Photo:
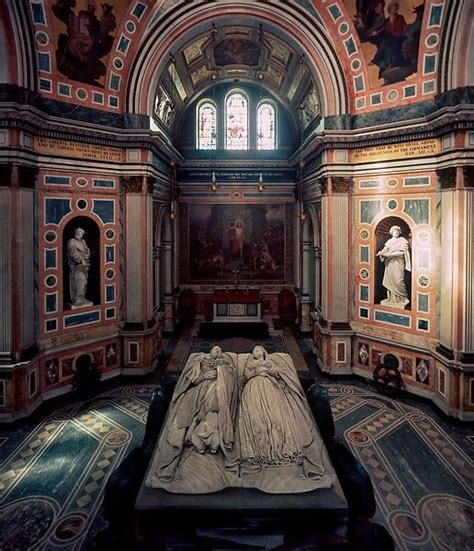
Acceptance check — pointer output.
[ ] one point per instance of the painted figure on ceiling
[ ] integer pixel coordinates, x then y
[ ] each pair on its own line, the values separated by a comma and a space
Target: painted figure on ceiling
397, 42
396, 255
87, 39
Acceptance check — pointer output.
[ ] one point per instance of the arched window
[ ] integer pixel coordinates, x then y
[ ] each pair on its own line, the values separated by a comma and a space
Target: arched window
266, 126
207, 126
236, 124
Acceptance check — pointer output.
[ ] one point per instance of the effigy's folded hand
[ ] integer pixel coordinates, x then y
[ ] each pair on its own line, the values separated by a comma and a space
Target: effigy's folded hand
211, 374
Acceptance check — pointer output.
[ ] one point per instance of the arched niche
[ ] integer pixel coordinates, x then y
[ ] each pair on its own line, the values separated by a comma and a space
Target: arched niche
382, 235
308, 260
92, 239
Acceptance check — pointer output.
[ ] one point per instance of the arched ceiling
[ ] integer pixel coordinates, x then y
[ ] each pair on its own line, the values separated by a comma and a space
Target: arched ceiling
118, 67
235, 51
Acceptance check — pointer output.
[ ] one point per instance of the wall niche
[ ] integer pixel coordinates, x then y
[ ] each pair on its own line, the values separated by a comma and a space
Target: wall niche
81, 263
393, 263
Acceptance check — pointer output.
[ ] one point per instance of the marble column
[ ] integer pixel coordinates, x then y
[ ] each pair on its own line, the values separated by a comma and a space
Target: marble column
17, 262
333, 316
157, 276
305, 300
140, 325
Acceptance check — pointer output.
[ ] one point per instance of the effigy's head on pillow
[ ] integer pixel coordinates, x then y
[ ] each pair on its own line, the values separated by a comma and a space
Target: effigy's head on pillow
215, 352
259, 352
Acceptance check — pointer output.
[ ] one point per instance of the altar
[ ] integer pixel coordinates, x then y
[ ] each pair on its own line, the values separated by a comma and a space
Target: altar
236, 305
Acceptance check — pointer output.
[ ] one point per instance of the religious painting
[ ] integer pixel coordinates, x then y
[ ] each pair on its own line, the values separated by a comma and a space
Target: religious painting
243, 241
237, 51
389, 31
52, 372
110, 354
85, 31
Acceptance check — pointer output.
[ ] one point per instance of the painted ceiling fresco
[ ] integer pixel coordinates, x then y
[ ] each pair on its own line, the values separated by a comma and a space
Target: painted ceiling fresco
388, 52
84, 31
389, 32
241, 51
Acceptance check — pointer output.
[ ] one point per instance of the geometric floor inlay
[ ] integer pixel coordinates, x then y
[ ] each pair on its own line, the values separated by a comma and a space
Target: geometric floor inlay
52, 475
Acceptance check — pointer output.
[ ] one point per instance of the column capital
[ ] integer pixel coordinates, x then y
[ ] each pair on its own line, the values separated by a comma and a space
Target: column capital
132, 184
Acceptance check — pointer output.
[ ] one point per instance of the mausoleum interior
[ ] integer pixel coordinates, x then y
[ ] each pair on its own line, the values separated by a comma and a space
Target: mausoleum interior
180, 175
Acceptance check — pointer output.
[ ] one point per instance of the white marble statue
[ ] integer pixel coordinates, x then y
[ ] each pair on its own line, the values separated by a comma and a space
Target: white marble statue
396, 255
261, 436
78, 255
276, 428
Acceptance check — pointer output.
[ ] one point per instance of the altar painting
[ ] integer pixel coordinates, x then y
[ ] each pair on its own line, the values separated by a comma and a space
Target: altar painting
229, 242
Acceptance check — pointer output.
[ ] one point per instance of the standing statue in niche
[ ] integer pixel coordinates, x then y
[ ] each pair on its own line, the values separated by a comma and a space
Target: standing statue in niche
396, 255
78, 255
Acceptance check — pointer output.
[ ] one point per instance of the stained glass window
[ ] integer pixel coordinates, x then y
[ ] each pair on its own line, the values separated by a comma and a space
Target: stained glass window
236, 122
207, 125
266, 126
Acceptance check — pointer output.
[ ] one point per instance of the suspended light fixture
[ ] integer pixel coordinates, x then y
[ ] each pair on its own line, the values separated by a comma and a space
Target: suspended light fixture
261, 185
214, 182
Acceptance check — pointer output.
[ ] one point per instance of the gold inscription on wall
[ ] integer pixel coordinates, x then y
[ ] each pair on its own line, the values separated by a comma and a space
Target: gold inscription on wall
406, 150
52, 146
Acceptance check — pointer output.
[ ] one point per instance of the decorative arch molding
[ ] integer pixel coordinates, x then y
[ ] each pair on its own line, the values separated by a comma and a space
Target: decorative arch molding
457, 46
167, 32
20, 44
163, 229
311, 216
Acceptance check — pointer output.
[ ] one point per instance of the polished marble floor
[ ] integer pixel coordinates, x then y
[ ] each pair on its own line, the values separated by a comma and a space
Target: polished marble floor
53, 470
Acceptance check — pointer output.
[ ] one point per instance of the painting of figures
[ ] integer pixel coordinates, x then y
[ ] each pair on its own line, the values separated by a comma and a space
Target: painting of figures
237, 51
390, 35
85, 31
247, 240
